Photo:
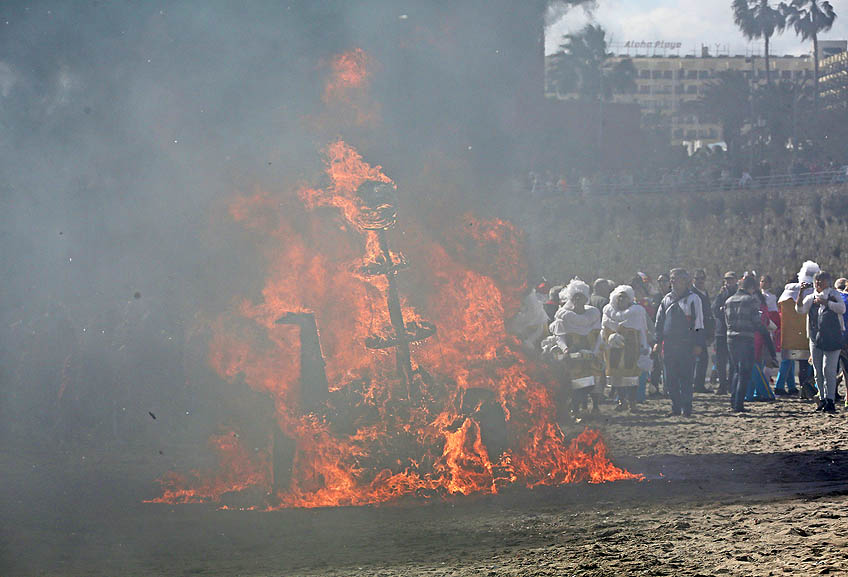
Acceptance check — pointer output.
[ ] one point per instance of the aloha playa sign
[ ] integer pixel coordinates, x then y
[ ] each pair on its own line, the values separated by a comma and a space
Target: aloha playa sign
655, 45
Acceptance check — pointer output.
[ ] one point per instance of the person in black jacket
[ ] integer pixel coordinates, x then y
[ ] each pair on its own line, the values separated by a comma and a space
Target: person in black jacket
600, 294
721, 352
551, 306
824, 309
742, 319
702, 362
680, 335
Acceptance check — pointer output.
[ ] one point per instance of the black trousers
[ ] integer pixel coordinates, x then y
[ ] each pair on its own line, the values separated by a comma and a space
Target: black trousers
679, 364
702, 361
721, 361
656, 372
742, 363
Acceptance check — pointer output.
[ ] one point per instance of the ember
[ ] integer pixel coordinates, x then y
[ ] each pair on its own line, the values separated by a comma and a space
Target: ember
463, 411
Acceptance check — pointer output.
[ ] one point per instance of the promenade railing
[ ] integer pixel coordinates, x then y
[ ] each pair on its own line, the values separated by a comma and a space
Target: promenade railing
684, 185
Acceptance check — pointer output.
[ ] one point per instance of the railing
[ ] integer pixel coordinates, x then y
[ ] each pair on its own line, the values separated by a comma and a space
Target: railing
833, 177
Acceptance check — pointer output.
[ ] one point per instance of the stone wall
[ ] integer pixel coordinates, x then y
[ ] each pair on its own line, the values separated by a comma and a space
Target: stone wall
770, 231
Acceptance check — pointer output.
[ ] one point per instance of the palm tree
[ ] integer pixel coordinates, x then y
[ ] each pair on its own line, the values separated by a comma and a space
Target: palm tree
726, 101
778, 105
809, 17
758, 19
581, 67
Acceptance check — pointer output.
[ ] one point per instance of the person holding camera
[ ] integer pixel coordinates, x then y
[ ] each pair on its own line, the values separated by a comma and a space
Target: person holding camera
824, 308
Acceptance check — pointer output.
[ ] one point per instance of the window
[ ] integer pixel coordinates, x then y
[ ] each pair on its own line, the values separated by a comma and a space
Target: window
711, 133
667, 74
644, 89
678, 133
656, 74
704, 74
691, 134
692, 89
644, 74
692, 74
786, 74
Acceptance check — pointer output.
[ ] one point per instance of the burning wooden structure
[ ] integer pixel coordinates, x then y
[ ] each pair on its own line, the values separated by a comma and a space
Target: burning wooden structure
470, 413
378, 215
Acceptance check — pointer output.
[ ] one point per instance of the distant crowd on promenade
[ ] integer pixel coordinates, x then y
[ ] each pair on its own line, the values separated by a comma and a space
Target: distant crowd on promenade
625, 342
694, 176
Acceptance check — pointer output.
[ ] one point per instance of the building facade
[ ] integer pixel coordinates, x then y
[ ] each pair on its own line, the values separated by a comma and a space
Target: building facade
664, 84
833, 82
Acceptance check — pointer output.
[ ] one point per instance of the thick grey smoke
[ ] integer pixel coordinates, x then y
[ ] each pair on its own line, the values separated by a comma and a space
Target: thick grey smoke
125, 130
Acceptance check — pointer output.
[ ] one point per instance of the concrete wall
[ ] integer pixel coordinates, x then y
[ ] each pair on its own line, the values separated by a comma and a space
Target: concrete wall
770, 231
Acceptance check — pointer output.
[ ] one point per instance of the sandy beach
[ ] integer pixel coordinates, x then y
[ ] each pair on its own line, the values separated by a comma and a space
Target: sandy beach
762, 493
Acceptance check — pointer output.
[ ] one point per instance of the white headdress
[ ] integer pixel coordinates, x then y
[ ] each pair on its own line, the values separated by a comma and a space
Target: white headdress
622, 289
808, 271
575, 286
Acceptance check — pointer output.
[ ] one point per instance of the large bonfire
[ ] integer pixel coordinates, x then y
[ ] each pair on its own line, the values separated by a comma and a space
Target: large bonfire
476, 415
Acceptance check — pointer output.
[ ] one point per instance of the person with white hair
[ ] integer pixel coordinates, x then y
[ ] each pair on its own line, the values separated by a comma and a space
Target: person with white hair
625, 325
577, 330
793, 337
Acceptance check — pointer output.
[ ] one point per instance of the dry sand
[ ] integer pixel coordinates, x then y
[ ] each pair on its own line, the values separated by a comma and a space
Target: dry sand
763, 493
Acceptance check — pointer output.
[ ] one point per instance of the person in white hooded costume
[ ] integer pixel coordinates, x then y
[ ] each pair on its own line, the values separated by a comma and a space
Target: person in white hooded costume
625, 325
577, 330
793, 336
529, 324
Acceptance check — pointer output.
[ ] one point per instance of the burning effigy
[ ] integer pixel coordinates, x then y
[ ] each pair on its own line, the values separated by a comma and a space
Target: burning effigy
381, 392
468, 412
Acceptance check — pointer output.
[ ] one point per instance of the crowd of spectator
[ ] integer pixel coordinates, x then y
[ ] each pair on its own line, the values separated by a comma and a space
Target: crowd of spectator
669, 338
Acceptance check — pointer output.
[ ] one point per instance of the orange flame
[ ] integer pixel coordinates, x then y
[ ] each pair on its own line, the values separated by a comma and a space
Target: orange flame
236, 472
348, 172
346, 88
467, 287
349, 70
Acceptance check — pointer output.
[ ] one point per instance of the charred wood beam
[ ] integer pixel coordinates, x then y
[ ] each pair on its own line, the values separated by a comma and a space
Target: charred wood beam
314, 389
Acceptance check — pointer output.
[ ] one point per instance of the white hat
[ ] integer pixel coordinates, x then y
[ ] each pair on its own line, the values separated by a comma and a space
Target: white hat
575, 286
808, 271
622, 289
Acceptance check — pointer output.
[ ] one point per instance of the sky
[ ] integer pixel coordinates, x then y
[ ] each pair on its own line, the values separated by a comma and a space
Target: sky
691, 22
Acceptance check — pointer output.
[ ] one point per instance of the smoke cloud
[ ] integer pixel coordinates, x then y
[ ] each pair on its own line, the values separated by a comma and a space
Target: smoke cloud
128, 128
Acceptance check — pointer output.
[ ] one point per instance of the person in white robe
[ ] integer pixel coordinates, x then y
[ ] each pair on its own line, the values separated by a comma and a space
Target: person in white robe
577, 330
625, 324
